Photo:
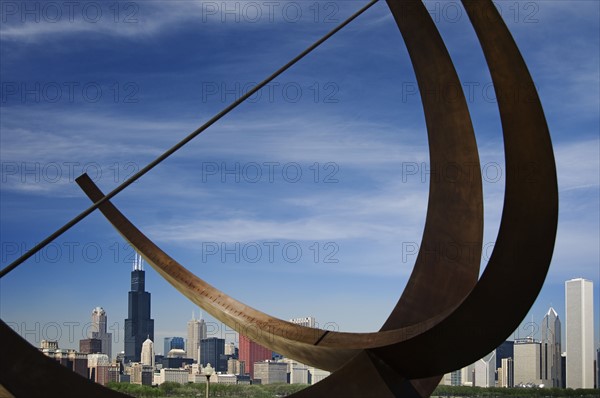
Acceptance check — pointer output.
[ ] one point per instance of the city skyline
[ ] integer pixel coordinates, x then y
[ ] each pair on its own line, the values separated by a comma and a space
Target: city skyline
356, 212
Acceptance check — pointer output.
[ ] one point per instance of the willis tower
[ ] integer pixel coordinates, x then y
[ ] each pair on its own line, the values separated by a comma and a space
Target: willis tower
138, 325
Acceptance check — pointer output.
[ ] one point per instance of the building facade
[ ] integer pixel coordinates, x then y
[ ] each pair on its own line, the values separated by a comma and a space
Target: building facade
579, 333
90, 346
99, 330
148, 353
70, 359
307, 321
98, 368
527, 363
551, 349
485, 371
196, 331
140, 374
212, 350
250, 352
180, 376
271, 372
235, 367
506, 373
138, 326
171, 343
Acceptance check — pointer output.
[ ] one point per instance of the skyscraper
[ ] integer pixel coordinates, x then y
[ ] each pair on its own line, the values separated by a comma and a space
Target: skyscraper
196, 331
505, 373
99, 331
551, 349
173, 343
148, 353
212, 350
579, 333
485, 371
138, 326
251, 352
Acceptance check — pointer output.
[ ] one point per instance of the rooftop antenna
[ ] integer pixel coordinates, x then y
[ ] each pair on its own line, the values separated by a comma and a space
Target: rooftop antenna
138, 262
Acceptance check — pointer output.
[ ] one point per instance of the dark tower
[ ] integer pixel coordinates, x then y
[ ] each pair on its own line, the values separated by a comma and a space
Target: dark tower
138, 325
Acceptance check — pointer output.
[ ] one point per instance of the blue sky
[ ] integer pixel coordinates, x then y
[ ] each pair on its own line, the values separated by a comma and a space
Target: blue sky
309, 199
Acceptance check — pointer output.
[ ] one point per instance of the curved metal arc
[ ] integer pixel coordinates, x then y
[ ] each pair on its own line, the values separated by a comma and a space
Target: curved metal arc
527, 234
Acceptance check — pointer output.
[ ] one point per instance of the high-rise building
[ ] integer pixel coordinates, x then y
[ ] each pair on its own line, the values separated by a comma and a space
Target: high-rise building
138, 326
196, 331
506, 373
173, 343
99, 330
527, 363
251, 352
485, 371
579, 333
551, 349
148, 353
504, 350
212, 350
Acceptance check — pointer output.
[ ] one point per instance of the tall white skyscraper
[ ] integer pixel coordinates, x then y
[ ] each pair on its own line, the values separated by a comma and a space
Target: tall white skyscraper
196, 331
551, 349
148, 353
579, 302
99, 330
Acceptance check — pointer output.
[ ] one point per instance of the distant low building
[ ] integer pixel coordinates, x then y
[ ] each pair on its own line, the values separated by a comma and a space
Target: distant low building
98, 368
235, 367
114, 373
140, 374
269, 372
316, 375
180, 376
70, 359
90, 346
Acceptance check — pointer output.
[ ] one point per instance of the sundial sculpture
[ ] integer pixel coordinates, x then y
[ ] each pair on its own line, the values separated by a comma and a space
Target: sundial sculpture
442, 321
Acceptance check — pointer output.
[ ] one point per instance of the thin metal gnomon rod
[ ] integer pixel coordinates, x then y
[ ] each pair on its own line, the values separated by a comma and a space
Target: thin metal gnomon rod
180, 144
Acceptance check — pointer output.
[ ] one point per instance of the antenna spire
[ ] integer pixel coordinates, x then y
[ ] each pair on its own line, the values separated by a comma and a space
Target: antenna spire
138, 262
